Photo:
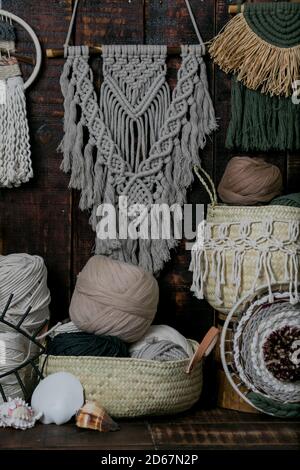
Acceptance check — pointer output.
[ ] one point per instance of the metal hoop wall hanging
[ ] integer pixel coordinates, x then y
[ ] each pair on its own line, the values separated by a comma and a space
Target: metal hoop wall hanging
35, 40
227, 349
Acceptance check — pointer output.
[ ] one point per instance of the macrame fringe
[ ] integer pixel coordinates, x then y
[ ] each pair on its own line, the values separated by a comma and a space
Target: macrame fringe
134, 133
15, 154
259, 65
198, 123
136, 144
260, 122
208, 259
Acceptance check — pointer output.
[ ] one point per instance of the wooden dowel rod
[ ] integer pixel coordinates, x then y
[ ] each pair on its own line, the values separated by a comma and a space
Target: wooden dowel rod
234, 9
22, 58
25, 60
54, 53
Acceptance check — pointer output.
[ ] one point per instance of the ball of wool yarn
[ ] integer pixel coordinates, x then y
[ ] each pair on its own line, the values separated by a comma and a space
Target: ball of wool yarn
162, 333
280, 353
86, 344
114, 298
292, 200
248, 181
160, 351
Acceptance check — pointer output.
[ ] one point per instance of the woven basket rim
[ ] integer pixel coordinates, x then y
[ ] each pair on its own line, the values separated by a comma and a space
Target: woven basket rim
235, 214
276, 207
139, 362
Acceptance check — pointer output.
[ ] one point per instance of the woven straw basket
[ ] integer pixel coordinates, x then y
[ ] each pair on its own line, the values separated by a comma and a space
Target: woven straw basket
240, 248
128, 387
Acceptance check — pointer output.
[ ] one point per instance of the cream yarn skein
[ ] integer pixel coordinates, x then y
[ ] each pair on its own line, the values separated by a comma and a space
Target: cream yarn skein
114, 298
25, 277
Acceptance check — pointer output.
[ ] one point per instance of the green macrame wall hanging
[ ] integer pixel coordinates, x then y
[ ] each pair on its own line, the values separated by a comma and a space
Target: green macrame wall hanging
261, 48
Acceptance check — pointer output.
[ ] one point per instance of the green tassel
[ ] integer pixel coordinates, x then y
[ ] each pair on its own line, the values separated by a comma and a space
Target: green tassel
262, 122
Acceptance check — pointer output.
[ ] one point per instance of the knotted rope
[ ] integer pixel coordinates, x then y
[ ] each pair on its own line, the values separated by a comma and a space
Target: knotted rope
142, 143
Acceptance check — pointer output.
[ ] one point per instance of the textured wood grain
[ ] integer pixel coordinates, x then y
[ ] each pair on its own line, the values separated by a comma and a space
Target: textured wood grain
293, 172
203, 430
227, 436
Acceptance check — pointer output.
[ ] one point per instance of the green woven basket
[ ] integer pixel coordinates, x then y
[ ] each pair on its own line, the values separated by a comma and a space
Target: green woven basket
128, 387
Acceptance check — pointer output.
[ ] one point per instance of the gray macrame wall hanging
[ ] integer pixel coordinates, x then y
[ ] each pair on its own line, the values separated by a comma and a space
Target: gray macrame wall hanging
142, 140
15, 153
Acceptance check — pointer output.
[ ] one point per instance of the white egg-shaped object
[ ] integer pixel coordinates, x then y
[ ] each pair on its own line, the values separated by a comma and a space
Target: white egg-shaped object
59, 396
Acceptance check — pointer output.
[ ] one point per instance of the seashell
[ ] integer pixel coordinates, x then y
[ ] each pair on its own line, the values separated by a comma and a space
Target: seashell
16, 413
58, 397
93, 416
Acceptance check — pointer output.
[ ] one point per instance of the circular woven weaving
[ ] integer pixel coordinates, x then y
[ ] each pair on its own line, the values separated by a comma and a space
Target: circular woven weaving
262, 357
277, 24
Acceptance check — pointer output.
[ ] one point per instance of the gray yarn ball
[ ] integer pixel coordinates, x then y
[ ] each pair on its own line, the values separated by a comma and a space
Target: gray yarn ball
161, 351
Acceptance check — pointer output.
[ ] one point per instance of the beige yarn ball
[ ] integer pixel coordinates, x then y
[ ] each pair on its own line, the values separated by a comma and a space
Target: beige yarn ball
114, 298
249, 181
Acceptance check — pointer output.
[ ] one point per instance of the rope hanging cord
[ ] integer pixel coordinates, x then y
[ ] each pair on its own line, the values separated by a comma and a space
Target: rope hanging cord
52, 53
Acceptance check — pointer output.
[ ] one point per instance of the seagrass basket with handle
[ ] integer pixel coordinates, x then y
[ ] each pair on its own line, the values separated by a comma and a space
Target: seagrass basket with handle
129, 387
240, 248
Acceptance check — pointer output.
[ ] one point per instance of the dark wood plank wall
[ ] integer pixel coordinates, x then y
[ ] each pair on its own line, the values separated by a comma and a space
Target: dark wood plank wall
42, 217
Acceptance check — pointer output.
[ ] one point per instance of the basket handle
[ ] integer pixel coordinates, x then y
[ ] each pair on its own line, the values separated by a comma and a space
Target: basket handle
210, 187
205, 347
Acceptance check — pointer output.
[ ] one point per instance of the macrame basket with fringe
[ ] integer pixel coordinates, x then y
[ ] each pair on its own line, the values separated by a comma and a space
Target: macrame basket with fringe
261, 355
241, 248
128, 387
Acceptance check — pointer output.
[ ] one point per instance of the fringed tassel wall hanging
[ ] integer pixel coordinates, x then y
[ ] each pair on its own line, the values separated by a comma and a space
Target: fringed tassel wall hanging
261, 48
15, 154
142, 140
260, 122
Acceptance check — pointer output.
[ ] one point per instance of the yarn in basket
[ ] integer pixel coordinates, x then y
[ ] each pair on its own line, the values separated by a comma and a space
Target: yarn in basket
86, 344
114, 298
292, 200
161, 351
157, 333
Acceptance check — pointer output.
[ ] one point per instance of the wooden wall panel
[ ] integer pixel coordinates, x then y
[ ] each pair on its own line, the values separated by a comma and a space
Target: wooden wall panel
43, 217
36, 216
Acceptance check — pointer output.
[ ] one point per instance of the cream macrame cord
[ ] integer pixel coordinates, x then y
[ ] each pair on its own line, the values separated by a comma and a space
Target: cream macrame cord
239, 248
15, 153
142, 142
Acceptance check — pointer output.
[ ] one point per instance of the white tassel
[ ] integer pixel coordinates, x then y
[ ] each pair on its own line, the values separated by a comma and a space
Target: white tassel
15, 154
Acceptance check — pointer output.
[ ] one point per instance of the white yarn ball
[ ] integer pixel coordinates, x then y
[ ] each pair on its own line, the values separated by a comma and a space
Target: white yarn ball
59, 396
